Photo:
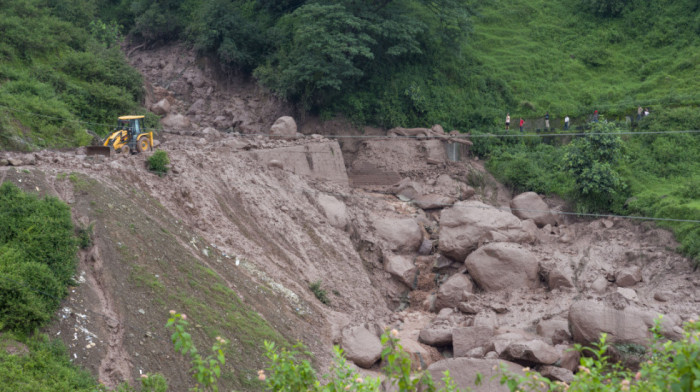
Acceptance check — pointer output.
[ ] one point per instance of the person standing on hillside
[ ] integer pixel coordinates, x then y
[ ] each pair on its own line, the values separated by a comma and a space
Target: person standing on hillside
522, 122
566, 123
639, 113
595, 116
546, 120
507, 121
646, 112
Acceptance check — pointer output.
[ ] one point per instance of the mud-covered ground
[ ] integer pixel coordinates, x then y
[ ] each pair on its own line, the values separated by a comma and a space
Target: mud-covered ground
241, 226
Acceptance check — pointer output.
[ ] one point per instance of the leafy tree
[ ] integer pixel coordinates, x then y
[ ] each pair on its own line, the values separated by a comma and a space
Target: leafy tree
234, 37
325, 44
591, 161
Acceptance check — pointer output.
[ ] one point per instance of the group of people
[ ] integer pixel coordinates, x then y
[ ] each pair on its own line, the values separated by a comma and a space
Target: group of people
546, 121
641, 112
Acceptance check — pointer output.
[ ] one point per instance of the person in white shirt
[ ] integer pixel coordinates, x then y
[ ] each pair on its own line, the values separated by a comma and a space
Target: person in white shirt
566, 123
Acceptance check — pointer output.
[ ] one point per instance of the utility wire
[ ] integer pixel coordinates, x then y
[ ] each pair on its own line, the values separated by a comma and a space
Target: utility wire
461, 135
554, 212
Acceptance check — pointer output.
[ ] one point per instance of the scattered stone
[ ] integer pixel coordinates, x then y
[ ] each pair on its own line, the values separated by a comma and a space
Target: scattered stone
529, 205
4, 162
500, 266
433, 201
464, 372
570, 357
14, 161
426, 247
408, 189
559, 279
466, 339
361, 346
401, 267
599, 285
555, 331
451, 292
662, 296
628, 276
468, 308
275, 164
629, 294
556, 373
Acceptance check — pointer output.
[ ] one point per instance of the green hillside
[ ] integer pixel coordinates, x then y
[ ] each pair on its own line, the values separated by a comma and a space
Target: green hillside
61, 71
566, 58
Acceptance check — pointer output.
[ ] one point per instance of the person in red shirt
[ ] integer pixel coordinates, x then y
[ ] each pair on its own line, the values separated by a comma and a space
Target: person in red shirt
522, 122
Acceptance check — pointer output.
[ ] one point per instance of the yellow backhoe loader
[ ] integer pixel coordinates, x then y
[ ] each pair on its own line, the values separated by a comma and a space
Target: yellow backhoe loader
128, 137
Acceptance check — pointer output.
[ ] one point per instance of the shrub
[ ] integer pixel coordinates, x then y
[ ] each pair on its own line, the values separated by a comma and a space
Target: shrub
670, 366
320, 293
37, 257
45, 367
158, 162
591, 161
287, 372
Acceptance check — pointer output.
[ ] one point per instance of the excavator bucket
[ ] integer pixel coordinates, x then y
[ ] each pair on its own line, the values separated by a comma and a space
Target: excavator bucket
99, 150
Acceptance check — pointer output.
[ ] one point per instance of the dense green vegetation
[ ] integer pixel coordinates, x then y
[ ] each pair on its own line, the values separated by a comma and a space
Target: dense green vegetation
60, 65
38, 364
37, 261
463, 64
37, 257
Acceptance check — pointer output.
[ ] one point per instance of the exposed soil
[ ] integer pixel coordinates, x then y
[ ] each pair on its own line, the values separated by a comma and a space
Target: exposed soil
234, 240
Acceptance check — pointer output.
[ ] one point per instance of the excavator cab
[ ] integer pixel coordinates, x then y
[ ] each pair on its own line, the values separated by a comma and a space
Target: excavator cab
129, 136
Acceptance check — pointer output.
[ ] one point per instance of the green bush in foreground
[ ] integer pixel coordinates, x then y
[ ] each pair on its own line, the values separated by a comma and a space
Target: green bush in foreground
38, 364
37, 257
670, 366
158, 162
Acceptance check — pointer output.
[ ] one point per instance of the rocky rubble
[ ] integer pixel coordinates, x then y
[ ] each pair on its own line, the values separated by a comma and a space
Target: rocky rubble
470, 275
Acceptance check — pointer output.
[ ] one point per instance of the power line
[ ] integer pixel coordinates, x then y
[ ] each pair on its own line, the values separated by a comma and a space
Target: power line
458, 136
554, 212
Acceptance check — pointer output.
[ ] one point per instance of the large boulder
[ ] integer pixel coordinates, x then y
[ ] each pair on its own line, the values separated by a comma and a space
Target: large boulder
532, 351
361, 346
401, 267
401, 234
285, 127
466, 339
176, 121
589, 319
529, 205
334, 210
467, 223
464, 372
436, 335
161, 108
500, 266
452, 291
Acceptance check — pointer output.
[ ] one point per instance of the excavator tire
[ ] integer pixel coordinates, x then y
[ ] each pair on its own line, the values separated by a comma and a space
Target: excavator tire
143, 144
125, 149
